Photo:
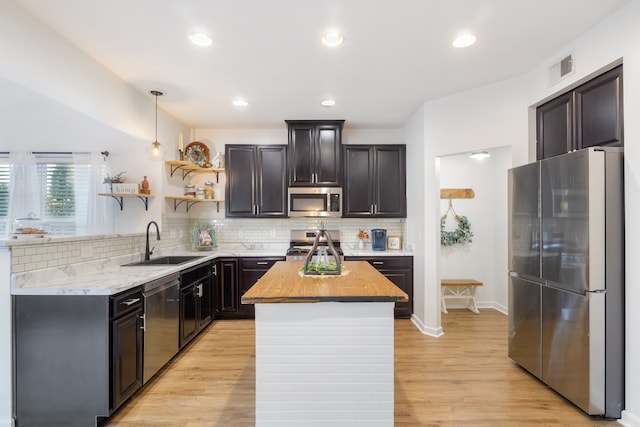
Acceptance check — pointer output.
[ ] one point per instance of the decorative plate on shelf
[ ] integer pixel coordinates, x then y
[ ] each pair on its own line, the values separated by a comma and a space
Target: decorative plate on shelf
197, 153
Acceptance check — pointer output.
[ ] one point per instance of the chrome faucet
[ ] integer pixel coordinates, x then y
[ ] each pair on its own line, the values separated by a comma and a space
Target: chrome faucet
147, 252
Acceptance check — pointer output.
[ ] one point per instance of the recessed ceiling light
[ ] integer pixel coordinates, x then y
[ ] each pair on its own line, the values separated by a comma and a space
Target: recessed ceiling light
200, 39
332, 38
464, 40
239, 102
479, 155
328, 102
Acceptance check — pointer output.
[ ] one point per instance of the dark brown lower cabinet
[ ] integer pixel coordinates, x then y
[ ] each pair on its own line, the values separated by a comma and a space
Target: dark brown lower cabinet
196, 299
398, 269
235, 277
252, 269
226, 288
126, 351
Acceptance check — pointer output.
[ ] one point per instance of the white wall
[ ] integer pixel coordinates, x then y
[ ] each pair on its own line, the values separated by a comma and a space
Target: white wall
485, 259
422, 185
501, 115
616, 37
488, 117
57, 98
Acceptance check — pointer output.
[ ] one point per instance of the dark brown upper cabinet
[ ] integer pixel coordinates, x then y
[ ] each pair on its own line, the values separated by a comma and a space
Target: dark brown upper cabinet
374, 181
598, 111
256, 181
315, 150
588, 116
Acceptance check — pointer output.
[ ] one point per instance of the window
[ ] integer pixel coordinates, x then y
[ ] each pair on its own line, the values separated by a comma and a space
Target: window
63, 191
63, 188
4, 192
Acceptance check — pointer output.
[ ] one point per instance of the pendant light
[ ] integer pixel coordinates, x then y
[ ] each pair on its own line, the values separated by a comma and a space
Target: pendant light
156, 150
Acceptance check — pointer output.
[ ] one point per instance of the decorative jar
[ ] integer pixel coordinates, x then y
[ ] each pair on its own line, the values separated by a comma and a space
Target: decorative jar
190, 190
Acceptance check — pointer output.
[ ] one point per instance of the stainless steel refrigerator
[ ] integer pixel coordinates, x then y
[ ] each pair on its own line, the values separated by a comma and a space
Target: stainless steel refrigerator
566, 278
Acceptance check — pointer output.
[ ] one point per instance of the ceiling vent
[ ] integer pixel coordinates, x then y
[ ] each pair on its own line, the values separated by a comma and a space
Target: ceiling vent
561, 69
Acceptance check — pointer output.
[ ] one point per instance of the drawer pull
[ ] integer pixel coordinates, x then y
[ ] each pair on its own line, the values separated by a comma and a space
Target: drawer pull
377, 262
262, 263
130, 301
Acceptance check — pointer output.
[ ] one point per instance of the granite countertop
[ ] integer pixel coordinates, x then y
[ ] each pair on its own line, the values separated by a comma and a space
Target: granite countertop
359, 282
109, 276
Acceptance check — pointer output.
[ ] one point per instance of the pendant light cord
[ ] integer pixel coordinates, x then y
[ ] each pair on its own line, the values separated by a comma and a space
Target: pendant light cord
156, 93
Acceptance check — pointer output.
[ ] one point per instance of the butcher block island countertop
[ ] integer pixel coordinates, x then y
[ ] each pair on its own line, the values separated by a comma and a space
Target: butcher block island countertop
324, 347
359, 282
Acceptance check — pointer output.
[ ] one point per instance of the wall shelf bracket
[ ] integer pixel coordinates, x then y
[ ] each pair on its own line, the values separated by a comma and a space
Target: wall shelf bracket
119, 198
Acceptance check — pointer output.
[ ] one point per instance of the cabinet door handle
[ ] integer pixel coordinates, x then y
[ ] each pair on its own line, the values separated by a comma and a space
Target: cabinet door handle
371, 209
143, 322
262, 263
130, 301
200, 290
377, 262
214, 270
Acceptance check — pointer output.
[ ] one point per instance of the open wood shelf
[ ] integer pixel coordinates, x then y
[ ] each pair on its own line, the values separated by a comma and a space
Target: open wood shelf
187, 167
119, 197
190, 201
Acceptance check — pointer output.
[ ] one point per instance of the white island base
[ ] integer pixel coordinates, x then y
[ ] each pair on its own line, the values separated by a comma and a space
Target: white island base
324, 364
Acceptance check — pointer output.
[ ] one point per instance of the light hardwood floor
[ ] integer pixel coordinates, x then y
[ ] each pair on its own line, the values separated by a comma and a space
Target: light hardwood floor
463, 378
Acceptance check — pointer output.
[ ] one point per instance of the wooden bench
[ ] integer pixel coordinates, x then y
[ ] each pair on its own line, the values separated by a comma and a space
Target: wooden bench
459, 288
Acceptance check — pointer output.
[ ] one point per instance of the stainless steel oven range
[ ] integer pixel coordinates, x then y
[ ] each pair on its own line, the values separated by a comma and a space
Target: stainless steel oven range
301, 241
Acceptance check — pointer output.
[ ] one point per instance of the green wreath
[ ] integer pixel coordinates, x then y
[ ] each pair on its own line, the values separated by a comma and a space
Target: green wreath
461, 235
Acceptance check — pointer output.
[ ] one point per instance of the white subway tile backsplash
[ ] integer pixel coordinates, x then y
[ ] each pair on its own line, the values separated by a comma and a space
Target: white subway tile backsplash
249, 231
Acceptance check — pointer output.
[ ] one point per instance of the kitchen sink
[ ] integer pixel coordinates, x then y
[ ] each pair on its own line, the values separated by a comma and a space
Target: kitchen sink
165, 260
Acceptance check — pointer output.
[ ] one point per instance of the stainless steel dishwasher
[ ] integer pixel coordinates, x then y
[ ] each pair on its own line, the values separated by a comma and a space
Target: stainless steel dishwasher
161, 324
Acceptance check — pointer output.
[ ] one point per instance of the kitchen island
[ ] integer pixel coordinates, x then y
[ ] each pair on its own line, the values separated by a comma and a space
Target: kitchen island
324, 346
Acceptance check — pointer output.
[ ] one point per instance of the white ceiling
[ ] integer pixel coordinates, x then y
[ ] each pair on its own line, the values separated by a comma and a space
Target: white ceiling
396, 55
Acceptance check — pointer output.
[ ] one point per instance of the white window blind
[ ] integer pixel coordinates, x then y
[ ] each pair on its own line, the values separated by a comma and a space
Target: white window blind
4, 191
63, 189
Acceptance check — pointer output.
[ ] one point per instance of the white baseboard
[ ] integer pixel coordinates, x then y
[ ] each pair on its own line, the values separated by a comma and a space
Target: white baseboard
432, 332
629, 419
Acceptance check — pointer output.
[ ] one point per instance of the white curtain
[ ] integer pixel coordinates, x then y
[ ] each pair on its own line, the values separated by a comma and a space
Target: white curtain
24, 191
97, 219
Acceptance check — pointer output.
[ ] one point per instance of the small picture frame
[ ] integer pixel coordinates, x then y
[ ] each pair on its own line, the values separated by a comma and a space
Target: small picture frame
394, 243
204, 238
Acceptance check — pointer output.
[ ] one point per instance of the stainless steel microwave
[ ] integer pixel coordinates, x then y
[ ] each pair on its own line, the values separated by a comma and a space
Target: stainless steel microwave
315, 201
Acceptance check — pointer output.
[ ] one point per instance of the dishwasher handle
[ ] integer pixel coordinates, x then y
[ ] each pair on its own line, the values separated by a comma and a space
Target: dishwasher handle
160, 285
